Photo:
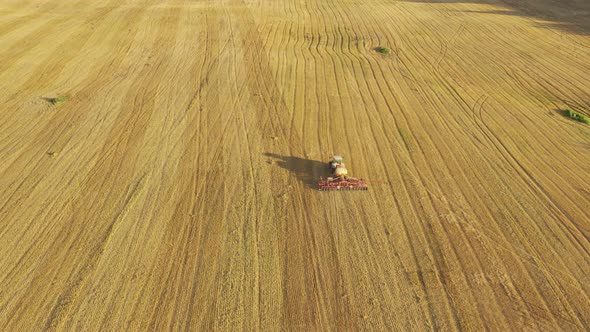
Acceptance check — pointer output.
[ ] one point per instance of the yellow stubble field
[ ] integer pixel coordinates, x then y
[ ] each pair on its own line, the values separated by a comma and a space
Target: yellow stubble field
159, 159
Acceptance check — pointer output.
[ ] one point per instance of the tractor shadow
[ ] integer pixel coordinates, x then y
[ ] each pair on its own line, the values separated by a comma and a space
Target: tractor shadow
306, 170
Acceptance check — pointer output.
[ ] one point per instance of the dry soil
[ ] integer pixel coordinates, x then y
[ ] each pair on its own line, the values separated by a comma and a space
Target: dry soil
173, 185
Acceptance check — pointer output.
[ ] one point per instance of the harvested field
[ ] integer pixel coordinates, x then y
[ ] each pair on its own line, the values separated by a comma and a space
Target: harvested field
158, 161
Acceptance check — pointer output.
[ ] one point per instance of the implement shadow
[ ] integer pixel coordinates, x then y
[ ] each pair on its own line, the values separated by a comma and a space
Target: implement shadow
306, 170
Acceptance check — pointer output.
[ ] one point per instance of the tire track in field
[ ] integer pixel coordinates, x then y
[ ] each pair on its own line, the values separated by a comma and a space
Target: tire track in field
208, 235
351, 56
141, 99
172, 309
376, 140
271, 100
351, 132
43, 79
43, 163
376, 76
47, 134
72, 236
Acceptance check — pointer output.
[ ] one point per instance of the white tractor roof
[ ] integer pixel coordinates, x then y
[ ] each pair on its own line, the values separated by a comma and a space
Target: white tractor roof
338, 158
